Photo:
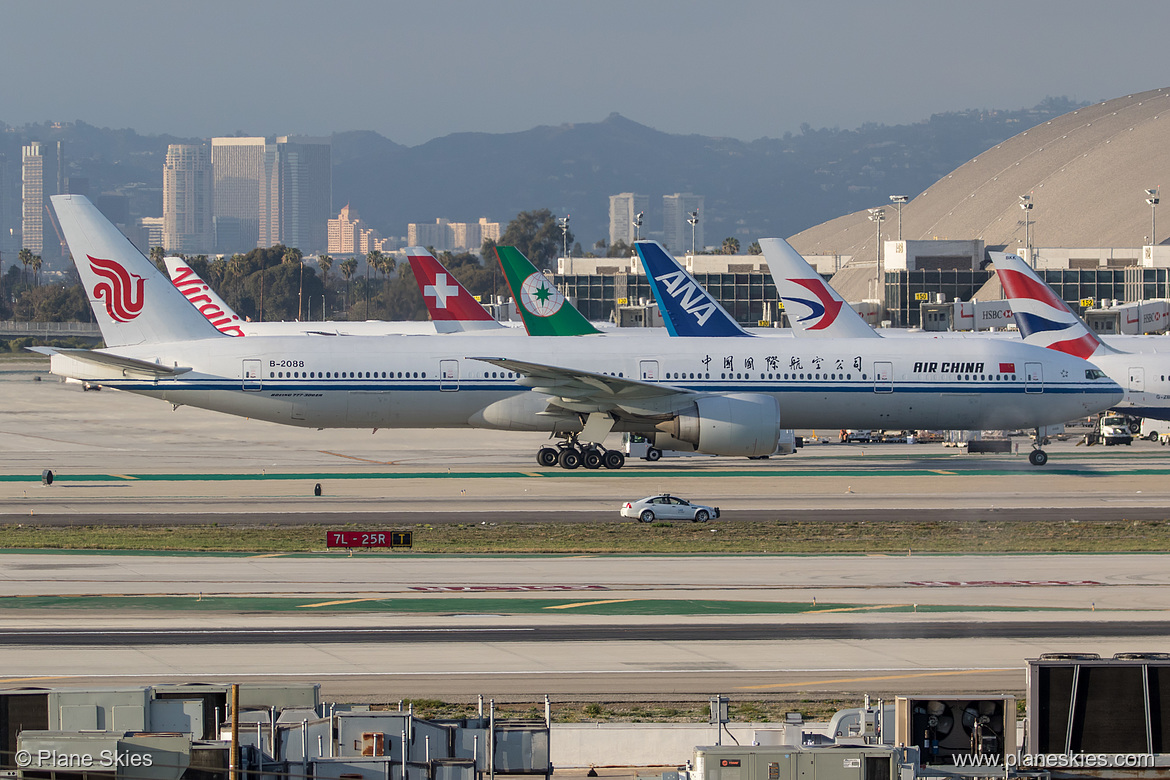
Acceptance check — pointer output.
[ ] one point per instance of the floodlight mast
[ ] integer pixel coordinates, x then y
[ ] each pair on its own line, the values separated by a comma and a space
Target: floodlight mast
898, 200
1152, 199
877, 216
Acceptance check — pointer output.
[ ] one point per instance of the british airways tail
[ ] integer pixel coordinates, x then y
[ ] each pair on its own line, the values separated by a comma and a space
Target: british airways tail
815, 310
452, 308
687, 309
202, 297
131, 299
1042, 317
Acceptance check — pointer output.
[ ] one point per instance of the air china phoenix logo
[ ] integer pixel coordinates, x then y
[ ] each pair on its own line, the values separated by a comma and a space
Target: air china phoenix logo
195, 291
121, 291
825, 307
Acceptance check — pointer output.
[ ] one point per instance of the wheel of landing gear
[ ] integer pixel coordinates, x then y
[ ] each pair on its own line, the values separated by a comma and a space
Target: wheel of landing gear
591, 458
569, 458
613, 459
653, 454
1038, 457
547, 456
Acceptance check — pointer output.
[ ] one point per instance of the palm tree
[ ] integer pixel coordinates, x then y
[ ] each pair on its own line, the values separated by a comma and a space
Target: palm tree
348, 268
731, 246
386, 264
292, 255
36, 266
373, 258
157, 253
324, 262
26, 257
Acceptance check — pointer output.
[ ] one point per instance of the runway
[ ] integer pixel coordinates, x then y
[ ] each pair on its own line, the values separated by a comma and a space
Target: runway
377, 628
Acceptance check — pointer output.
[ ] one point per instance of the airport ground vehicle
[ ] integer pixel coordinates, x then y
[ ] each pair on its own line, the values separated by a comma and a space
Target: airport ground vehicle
668, 507
1111, 429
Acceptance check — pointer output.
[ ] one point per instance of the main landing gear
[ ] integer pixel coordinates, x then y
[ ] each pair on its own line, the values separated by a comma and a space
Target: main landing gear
572, 454
1037, 457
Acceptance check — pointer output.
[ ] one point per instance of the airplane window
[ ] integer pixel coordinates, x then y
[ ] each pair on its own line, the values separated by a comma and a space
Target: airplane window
493, 375
424, 375
863, 376
620, 374
723, 376
271, 375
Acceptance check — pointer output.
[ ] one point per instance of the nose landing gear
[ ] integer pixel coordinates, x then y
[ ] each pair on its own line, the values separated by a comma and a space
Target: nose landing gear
1037, 457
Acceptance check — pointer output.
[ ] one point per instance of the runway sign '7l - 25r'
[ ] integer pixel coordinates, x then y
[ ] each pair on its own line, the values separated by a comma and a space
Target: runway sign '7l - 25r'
369, 538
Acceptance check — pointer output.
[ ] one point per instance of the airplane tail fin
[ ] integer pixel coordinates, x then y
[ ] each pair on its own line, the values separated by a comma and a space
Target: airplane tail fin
687, 308
814, 308
542, 306
1042, 317
202, 297
131, 299
452, 308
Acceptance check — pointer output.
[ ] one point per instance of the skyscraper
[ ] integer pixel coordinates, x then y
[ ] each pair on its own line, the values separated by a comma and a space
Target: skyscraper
187, 188
622, 210
676, 230
42, 175
345, 232
238, 166
296, 194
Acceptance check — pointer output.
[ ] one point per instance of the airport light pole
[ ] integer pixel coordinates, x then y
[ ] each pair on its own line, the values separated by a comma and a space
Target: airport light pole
693, 221
638, 223
1153, 201
898, 200
564, 223
877, 216
1026, 205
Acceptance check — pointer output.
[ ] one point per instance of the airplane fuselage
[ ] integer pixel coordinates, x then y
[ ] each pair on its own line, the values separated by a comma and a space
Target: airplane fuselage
429, 381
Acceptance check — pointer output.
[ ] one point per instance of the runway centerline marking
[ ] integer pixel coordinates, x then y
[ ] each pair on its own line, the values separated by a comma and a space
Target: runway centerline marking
590, 603
871, 679
858, 609
335, 603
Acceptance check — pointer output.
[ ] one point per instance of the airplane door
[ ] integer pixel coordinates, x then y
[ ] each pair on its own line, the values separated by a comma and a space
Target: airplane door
1137, 380
1033, 378
253, 379
448, 375
648, 369
883, 377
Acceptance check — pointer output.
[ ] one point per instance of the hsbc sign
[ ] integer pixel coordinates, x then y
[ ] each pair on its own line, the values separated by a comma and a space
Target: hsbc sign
993, 314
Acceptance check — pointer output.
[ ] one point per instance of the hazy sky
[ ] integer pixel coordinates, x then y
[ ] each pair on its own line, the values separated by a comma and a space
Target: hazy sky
417, 70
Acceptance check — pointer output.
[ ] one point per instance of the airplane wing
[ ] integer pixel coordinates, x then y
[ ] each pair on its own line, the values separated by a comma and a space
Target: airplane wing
107, 361
586, 391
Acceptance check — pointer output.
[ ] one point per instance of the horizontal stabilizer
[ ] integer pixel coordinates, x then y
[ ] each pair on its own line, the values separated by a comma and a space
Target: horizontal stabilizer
104, 362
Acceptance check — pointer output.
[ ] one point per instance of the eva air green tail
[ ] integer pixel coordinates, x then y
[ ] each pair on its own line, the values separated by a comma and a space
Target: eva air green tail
543, 307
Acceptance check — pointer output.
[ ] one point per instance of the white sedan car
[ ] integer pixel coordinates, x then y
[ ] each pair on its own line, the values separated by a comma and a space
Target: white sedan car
668, 507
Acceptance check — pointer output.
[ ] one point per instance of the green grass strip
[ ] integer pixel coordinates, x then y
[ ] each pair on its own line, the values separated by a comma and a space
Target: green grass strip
589, 603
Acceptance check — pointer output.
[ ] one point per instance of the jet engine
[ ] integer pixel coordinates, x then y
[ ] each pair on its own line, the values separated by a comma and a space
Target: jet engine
746, 424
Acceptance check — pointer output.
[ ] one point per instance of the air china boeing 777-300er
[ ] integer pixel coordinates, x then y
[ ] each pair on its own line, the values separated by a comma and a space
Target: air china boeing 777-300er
722, 396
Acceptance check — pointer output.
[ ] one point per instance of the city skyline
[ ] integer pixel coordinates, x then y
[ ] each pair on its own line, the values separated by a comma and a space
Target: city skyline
745, 70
